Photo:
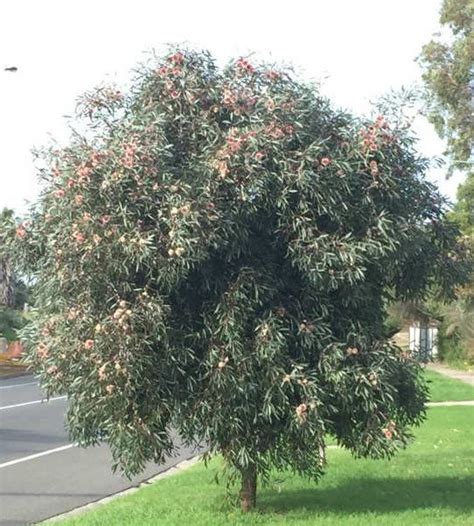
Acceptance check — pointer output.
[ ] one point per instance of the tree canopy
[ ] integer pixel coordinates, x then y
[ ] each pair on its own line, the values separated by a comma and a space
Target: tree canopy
448, 77
212, 254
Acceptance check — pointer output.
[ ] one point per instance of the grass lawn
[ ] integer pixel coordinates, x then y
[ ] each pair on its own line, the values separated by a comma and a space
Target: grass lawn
443, 388
430, 483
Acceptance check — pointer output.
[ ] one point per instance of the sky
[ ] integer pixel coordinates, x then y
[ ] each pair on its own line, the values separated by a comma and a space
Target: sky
359, 48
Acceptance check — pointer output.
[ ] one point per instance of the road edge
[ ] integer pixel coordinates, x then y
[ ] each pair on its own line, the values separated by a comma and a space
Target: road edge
15, 375
173, 470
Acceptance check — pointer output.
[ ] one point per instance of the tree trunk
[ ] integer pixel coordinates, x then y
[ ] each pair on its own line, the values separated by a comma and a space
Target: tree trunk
322, 455
248, 493
7, 285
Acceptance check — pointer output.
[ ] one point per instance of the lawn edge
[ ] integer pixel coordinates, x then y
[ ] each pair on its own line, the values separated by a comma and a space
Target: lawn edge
173, 470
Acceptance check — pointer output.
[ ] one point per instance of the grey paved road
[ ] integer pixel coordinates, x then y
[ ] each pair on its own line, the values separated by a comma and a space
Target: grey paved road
41, 473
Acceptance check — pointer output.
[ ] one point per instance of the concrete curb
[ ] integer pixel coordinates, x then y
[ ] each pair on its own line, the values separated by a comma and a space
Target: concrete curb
15, 375
185, 464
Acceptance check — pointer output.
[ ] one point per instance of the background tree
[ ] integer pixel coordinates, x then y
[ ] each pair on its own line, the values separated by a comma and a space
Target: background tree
448, 75
7, 278
214, 255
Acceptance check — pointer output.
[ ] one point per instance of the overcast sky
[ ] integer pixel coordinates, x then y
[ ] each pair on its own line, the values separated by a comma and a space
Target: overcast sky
363, 48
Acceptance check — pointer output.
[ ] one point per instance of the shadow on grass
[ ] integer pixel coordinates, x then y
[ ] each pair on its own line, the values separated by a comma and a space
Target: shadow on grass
369, 495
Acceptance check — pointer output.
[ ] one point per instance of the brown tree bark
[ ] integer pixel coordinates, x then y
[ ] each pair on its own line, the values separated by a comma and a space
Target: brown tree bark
248, 493
7, 284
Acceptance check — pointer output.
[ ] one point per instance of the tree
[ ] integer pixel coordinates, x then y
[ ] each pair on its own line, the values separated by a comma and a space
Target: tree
7, 279
212, 256
463, 210
449, 81
459, 315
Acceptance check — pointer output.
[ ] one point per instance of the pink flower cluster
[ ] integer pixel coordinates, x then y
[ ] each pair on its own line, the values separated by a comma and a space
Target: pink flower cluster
374, 168
84, 173
78, 237
272, 75
89, 344
229, 98
374, 136
177, 58
389, 430
128, 159
42, 351
21, 231
277, 131
244, 66
302, 413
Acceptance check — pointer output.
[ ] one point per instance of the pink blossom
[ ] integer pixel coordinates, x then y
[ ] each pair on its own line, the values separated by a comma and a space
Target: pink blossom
20, 232
53, 369
79, 237
325, 161
374, 169
274, 131
388, 433
162, 70
223, 169
229, 98
89, 344
101, 373
234, 143
84, 172
245, 66
380, 122
59, 193
73, 313
177, 58
96, 157
270, 104
105, 219
42, 351
79, 199
272, 75
301, 412
130, 149
128, 162
259, 156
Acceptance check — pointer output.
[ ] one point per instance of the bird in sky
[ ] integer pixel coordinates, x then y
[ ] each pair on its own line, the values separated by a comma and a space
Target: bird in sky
12, 69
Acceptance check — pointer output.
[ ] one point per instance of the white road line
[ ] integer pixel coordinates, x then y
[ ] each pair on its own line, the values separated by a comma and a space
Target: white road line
17, 385
36, 455
33, 402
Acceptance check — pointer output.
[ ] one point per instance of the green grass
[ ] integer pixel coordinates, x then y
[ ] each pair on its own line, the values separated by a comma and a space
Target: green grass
443, 388
430, 483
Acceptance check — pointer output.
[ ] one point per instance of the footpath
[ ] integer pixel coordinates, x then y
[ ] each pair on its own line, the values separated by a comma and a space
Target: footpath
464, 376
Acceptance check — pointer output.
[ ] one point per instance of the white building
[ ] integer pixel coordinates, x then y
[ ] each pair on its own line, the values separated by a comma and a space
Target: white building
423, 340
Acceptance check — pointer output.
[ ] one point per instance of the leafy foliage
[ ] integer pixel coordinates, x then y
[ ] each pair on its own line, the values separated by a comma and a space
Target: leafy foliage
448, 76
213, 255
10, 322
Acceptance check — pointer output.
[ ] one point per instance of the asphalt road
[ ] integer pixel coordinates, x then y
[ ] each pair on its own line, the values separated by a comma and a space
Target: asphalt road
41, 473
